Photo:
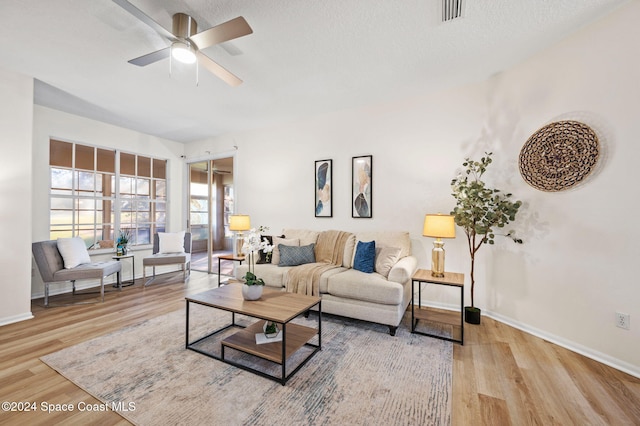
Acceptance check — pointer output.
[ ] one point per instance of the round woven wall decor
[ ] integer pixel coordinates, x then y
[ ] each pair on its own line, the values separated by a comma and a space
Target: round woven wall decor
559, 155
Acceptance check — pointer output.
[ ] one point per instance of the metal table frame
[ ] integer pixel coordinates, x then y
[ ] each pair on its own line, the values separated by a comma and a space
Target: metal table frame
421, 276
284, 377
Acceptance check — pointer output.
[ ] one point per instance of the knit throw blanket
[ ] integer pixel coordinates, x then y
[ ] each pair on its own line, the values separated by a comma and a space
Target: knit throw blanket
329, 250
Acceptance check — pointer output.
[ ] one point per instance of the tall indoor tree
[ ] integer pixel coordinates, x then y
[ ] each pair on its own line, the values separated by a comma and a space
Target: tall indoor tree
478, 211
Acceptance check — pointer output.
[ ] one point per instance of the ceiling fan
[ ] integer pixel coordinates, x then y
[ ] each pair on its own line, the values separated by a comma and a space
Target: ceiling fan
187, 43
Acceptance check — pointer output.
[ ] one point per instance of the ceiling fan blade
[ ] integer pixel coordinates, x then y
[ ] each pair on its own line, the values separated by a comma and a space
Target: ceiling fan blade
152, 57
229, 30
218, 70
145, 18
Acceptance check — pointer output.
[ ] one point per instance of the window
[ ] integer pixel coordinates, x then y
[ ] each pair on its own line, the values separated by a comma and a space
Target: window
91, 197
142, 196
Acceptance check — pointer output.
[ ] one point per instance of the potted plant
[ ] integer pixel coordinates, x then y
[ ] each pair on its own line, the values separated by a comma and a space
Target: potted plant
478, 211
252, 286
270, 329
122, 243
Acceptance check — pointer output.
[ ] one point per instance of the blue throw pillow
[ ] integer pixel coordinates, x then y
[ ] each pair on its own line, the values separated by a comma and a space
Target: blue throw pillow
365, 258
294, 256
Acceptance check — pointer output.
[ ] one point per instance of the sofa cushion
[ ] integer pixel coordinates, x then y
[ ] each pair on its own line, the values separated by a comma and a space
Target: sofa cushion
386, 257
73, 251
273, 275
275, 254
352, 284
294, 256
88, 271
365, 257
160, 259
305, 236
398, 239
323, 286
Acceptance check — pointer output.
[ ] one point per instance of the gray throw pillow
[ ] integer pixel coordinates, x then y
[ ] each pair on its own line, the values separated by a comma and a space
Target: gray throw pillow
294, 256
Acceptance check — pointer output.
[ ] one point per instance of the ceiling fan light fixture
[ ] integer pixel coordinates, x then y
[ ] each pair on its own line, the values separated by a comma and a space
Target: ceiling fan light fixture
183, 52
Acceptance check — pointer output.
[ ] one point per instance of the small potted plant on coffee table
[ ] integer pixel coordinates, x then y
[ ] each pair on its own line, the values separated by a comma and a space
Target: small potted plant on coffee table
270, 329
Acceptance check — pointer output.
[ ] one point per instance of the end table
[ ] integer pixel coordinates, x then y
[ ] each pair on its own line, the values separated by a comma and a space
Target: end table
452, 279
133, 269
228, 257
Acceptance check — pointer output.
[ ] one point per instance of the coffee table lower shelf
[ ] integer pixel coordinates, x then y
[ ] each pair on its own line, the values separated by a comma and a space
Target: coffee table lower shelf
296, 336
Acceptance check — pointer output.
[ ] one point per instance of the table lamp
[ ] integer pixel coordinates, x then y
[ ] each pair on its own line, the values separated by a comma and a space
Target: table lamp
438, 226
239, 223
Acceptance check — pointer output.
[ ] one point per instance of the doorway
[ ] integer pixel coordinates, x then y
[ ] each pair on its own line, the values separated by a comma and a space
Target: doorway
210, 205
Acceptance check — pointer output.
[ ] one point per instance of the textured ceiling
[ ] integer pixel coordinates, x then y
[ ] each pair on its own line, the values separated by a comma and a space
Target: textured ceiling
303, 58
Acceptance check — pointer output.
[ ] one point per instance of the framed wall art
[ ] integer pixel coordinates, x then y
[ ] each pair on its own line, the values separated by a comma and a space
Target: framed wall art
361, 187
324, 188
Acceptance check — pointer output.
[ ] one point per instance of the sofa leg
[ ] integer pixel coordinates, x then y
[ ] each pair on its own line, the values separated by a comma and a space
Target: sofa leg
306, 314
392, 330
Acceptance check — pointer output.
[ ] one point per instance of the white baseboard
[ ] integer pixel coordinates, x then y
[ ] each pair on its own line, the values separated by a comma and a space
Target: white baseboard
618, 364
16, 318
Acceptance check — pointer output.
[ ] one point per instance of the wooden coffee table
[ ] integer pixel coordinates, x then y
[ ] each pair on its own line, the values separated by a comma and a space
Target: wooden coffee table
274, 305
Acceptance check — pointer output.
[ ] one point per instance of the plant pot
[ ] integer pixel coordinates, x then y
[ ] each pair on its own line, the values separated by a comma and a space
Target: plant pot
270, 333
472, 315
251, 292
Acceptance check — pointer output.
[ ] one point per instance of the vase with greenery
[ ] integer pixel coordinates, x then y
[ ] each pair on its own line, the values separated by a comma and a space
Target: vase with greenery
251, 246
479, 211
122, 243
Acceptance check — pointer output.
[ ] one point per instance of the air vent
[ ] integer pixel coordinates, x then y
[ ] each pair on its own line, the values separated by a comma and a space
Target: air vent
452, 9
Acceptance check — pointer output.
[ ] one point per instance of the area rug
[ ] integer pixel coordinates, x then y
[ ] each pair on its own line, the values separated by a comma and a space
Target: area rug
362, 376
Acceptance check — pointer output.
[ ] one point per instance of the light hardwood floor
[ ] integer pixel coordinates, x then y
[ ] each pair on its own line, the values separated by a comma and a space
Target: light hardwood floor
501, 376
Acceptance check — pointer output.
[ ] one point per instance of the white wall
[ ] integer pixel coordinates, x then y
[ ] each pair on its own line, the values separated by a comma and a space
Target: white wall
16, 115
50, 123
576, 268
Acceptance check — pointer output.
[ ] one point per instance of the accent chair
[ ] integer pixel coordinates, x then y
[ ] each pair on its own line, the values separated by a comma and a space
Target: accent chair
163, 256
52, 268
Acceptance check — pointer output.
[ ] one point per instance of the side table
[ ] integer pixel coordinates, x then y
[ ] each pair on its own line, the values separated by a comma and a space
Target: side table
452, 279
231, 258
133, 269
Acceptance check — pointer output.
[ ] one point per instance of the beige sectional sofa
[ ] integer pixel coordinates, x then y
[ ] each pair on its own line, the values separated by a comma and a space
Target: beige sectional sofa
381, 296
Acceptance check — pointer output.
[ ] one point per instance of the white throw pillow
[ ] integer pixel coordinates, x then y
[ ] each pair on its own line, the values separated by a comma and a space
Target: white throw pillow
171, 242
386, 257
73, 251
275, 254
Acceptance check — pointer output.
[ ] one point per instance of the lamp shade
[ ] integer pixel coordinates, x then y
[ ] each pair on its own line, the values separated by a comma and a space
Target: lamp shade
239, 222
439, 226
